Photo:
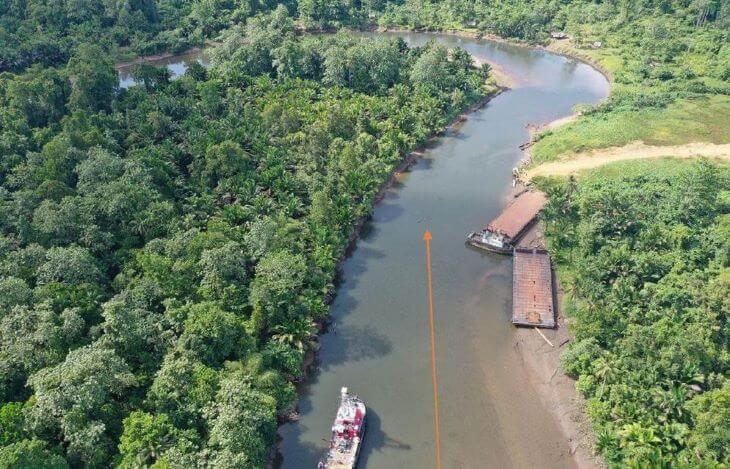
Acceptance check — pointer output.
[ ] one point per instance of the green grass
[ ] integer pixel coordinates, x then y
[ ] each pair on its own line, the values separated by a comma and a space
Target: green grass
608, 59
697, 120
668, 167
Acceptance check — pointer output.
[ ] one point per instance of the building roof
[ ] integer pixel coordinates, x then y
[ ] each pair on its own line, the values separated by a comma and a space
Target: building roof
518, 214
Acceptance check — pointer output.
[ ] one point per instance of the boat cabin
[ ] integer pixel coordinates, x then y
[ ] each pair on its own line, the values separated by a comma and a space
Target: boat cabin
502, 234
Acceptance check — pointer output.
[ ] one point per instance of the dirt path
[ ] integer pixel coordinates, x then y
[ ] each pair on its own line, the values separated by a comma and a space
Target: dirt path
633, 151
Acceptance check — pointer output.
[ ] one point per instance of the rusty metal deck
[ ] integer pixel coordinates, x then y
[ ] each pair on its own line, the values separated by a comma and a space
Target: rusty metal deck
518, 215
532, 289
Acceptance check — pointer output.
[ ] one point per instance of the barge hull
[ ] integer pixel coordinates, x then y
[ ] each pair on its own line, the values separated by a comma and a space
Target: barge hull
533, 302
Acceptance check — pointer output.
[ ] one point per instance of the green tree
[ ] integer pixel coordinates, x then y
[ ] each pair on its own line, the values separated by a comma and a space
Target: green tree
213, 335
33, 338
40, 94
81, 402
70, 265
13, 292
146, 438
30, 454
151, 77
279, 278
183, 387
432, 68
94, 79
222, 163
12, 423
242, 422
710, 437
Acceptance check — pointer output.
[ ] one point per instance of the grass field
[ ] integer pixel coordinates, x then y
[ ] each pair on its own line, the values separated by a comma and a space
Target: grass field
702, 119
668, 167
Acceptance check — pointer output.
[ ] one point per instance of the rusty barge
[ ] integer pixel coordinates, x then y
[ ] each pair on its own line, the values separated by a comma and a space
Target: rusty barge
533, 303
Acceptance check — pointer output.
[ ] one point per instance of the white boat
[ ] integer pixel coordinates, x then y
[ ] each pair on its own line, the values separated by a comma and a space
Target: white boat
348, 431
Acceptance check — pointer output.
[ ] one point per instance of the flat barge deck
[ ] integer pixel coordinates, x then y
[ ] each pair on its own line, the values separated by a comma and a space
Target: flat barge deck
533, 303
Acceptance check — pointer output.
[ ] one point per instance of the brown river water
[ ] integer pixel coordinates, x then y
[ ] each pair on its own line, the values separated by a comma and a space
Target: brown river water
378, 344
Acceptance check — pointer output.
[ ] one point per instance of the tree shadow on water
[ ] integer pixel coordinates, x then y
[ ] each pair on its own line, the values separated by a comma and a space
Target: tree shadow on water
304, 454
387, 212
351, 344
376, 440
349, 274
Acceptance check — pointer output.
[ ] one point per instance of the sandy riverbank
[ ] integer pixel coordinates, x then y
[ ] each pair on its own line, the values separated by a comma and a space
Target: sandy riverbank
556, 390
542, 363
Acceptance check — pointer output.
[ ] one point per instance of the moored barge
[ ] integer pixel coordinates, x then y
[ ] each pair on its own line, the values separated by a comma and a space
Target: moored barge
502, 234
348, 432
533, 302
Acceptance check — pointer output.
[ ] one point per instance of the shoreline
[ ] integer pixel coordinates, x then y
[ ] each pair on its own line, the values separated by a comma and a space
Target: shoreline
556, 390
409, 160
144, 59
406, 163
553, 46
542, 362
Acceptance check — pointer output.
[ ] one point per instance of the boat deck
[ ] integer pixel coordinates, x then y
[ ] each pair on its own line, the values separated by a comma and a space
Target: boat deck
344, 459
532, 289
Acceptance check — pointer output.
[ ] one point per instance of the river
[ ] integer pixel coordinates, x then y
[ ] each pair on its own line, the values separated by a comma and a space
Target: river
491, 416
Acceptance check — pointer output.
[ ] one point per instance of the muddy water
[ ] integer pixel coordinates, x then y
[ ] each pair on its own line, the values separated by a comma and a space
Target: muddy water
378, 344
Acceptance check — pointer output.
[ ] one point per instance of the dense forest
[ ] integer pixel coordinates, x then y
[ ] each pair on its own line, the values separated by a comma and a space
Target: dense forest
643, 251
167, 250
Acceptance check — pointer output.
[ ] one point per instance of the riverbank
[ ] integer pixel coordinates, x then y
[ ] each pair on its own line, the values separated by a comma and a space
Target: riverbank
407, 162
541, 361
148, 59
557, 47
556, 390
541, 357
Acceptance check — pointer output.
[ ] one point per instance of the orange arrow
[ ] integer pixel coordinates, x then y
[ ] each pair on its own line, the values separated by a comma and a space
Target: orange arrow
434, 377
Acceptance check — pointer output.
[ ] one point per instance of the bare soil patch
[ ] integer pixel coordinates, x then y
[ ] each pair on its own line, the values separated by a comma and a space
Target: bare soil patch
576, 162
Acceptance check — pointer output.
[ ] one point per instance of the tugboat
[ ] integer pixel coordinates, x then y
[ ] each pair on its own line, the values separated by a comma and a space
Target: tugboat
503, 233
348, 431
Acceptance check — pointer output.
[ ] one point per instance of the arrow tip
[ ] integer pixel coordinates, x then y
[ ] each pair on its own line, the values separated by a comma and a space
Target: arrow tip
427, 235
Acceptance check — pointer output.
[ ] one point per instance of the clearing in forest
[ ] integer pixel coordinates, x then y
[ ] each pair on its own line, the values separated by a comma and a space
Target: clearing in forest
574, 163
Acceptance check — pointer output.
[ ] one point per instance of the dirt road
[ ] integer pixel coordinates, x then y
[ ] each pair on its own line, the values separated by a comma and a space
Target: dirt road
574, 163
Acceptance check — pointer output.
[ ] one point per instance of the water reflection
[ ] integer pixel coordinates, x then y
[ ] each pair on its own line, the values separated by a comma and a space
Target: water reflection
177, 65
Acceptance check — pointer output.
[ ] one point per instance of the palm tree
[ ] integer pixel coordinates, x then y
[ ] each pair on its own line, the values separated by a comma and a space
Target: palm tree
298, 333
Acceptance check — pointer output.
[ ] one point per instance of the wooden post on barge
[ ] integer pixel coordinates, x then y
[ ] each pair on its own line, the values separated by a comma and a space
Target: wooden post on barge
432, 332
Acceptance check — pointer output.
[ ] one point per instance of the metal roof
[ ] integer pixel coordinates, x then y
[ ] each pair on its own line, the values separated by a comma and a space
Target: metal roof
518, 214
